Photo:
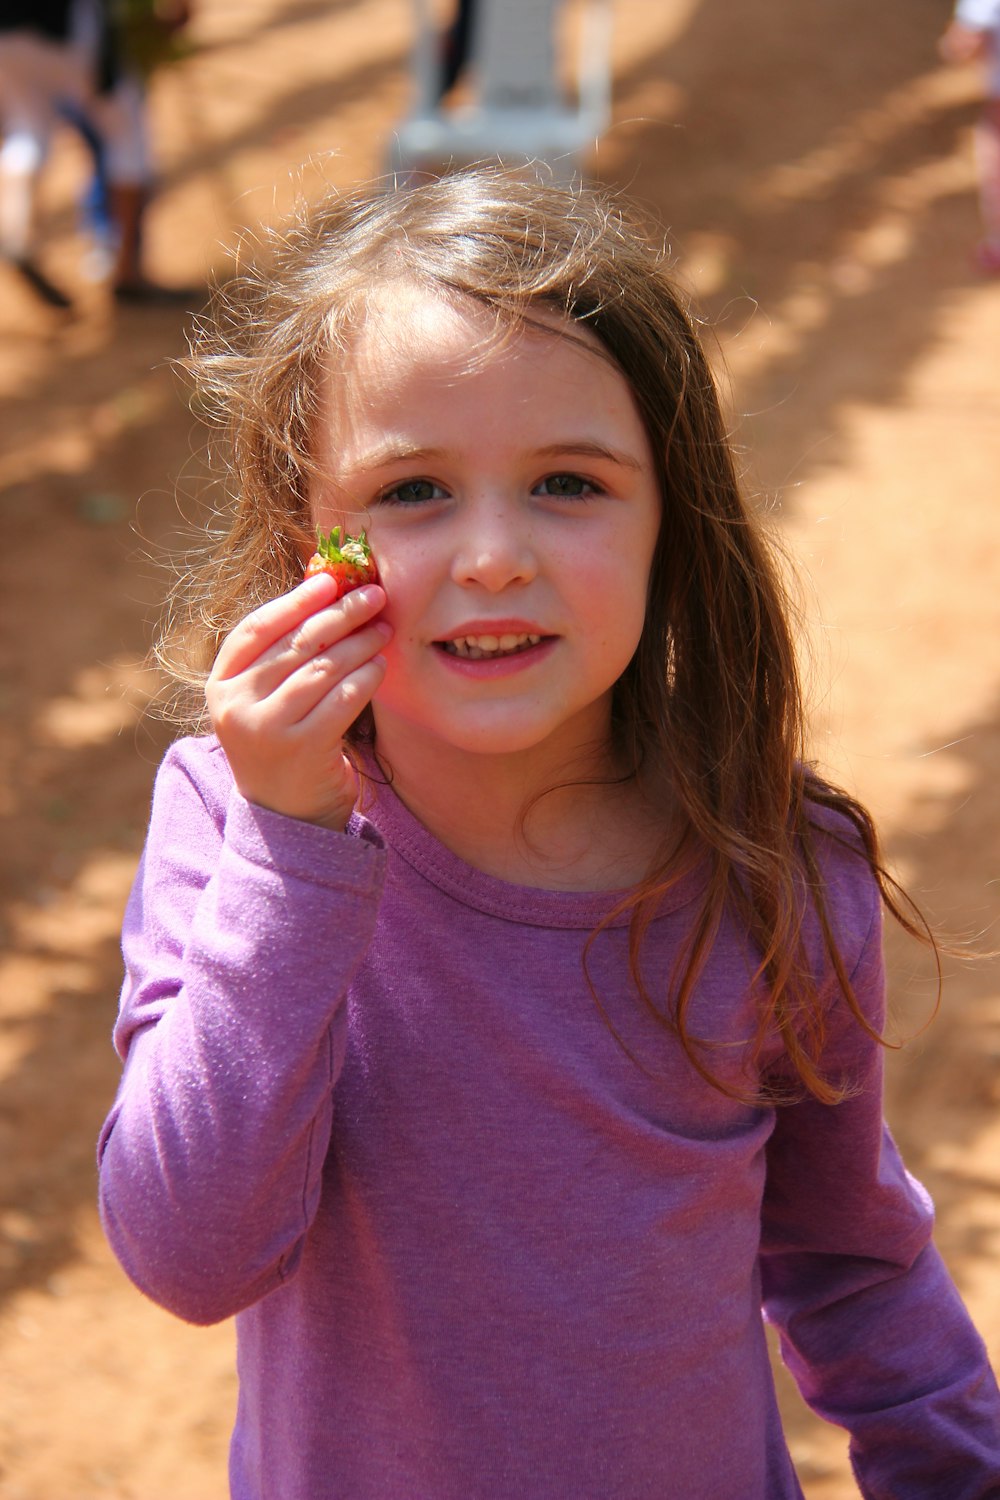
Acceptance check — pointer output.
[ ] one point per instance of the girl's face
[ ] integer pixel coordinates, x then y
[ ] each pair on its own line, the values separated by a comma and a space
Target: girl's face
509, 496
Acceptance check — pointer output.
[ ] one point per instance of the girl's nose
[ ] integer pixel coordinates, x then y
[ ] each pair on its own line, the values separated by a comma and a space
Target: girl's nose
494, 548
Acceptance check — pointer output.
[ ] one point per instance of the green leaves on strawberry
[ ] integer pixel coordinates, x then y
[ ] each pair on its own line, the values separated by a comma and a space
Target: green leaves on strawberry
349, 561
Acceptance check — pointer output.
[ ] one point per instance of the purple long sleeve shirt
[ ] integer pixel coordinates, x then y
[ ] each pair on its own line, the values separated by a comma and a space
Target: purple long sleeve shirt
476, 1251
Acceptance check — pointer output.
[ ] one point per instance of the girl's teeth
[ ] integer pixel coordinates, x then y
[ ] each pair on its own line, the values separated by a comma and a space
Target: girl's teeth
475, 647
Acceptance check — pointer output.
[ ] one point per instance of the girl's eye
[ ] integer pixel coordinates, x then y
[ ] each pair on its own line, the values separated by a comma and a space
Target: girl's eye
412, 492
566, 486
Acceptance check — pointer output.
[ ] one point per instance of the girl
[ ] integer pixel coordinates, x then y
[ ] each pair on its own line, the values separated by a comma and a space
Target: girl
501, 1029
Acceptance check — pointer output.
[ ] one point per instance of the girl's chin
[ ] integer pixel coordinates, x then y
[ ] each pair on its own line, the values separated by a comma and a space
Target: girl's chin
502, 735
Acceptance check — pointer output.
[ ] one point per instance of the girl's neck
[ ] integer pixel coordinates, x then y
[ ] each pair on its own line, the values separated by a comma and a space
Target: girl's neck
521, 820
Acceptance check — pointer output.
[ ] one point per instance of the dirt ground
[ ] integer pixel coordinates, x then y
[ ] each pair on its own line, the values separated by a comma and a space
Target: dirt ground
813, 166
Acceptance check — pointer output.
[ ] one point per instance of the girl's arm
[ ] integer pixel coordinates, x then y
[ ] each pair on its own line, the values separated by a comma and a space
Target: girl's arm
870, 1323
250, 914
243, 931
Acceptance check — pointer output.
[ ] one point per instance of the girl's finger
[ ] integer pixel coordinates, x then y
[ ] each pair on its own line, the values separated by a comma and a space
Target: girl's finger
337, 710
316, 636
320, 675
267, 632
248, 640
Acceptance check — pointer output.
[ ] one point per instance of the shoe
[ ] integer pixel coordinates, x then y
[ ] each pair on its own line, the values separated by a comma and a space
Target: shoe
39, 283
987, 258
151, 294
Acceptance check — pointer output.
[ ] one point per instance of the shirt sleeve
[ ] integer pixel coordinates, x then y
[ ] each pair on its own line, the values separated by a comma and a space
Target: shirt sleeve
241, 936
869, 1320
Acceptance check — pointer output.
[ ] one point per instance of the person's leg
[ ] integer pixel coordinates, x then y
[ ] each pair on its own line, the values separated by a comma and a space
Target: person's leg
988, 164
120, 116
128, 209
21, 159
95, 201
32, 72
455, 46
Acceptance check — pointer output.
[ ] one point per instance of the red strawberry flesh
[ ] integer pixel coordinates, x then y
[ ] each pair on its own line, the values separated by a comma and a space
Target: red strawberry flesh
349, 561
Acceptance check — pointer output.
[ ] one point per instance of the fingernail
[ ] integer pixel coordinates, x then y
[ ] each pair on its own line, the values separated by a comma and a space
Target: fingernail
384, 628
316, 581
369, 593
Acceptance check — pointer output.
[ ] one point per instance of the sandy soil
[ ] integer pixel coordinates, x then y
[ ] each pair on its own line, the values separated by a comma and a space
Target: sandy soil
813, 166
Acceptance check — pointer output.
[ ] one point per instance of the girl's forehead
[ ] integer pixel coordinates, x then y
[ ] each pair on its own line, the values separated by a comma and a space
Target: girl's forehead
423, 369
406, 323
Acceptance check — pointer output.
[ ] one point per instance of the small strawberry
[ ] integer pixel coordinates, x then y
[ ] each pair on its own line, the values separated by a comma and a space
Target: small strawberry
350, 562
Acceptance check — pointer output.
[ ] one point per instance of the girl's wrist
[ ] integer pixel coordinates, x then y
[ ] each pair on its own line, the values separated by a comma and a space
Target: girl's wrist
334, 818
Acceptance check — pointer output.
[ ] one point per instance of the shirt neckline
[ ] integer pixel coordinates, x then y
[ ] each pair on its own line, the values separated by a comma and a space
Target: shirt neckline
464, 883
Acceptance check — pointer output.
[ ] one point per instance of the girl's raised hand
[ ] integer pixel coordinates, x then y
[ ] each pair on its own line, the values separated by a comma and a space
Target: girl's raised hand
287, 684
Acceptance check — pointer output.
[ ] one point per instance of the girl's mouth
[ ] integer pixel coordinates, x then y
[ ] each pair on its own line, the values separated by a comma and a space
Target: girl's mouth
488, 647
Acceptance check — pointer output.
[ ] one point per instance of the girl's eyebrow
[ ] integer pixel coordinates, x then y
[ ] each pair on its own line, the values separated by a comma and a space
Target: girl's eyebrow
397, 452
585, 448
403, 452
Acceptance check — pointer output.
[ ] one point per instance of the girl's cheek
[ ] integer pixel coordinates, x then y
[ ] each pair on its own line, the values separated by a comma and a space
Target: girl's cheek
393, 613
392, 575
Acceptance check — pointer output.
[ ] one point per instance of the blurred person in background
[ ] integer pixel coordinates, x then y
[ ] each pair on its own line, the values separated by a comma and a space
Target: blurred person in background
88, 60
455, 43
975, 34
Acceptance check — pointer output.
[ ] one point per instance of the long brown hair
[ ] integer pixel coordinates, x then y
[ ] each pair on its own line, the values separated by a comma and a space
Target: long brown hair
709, 712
